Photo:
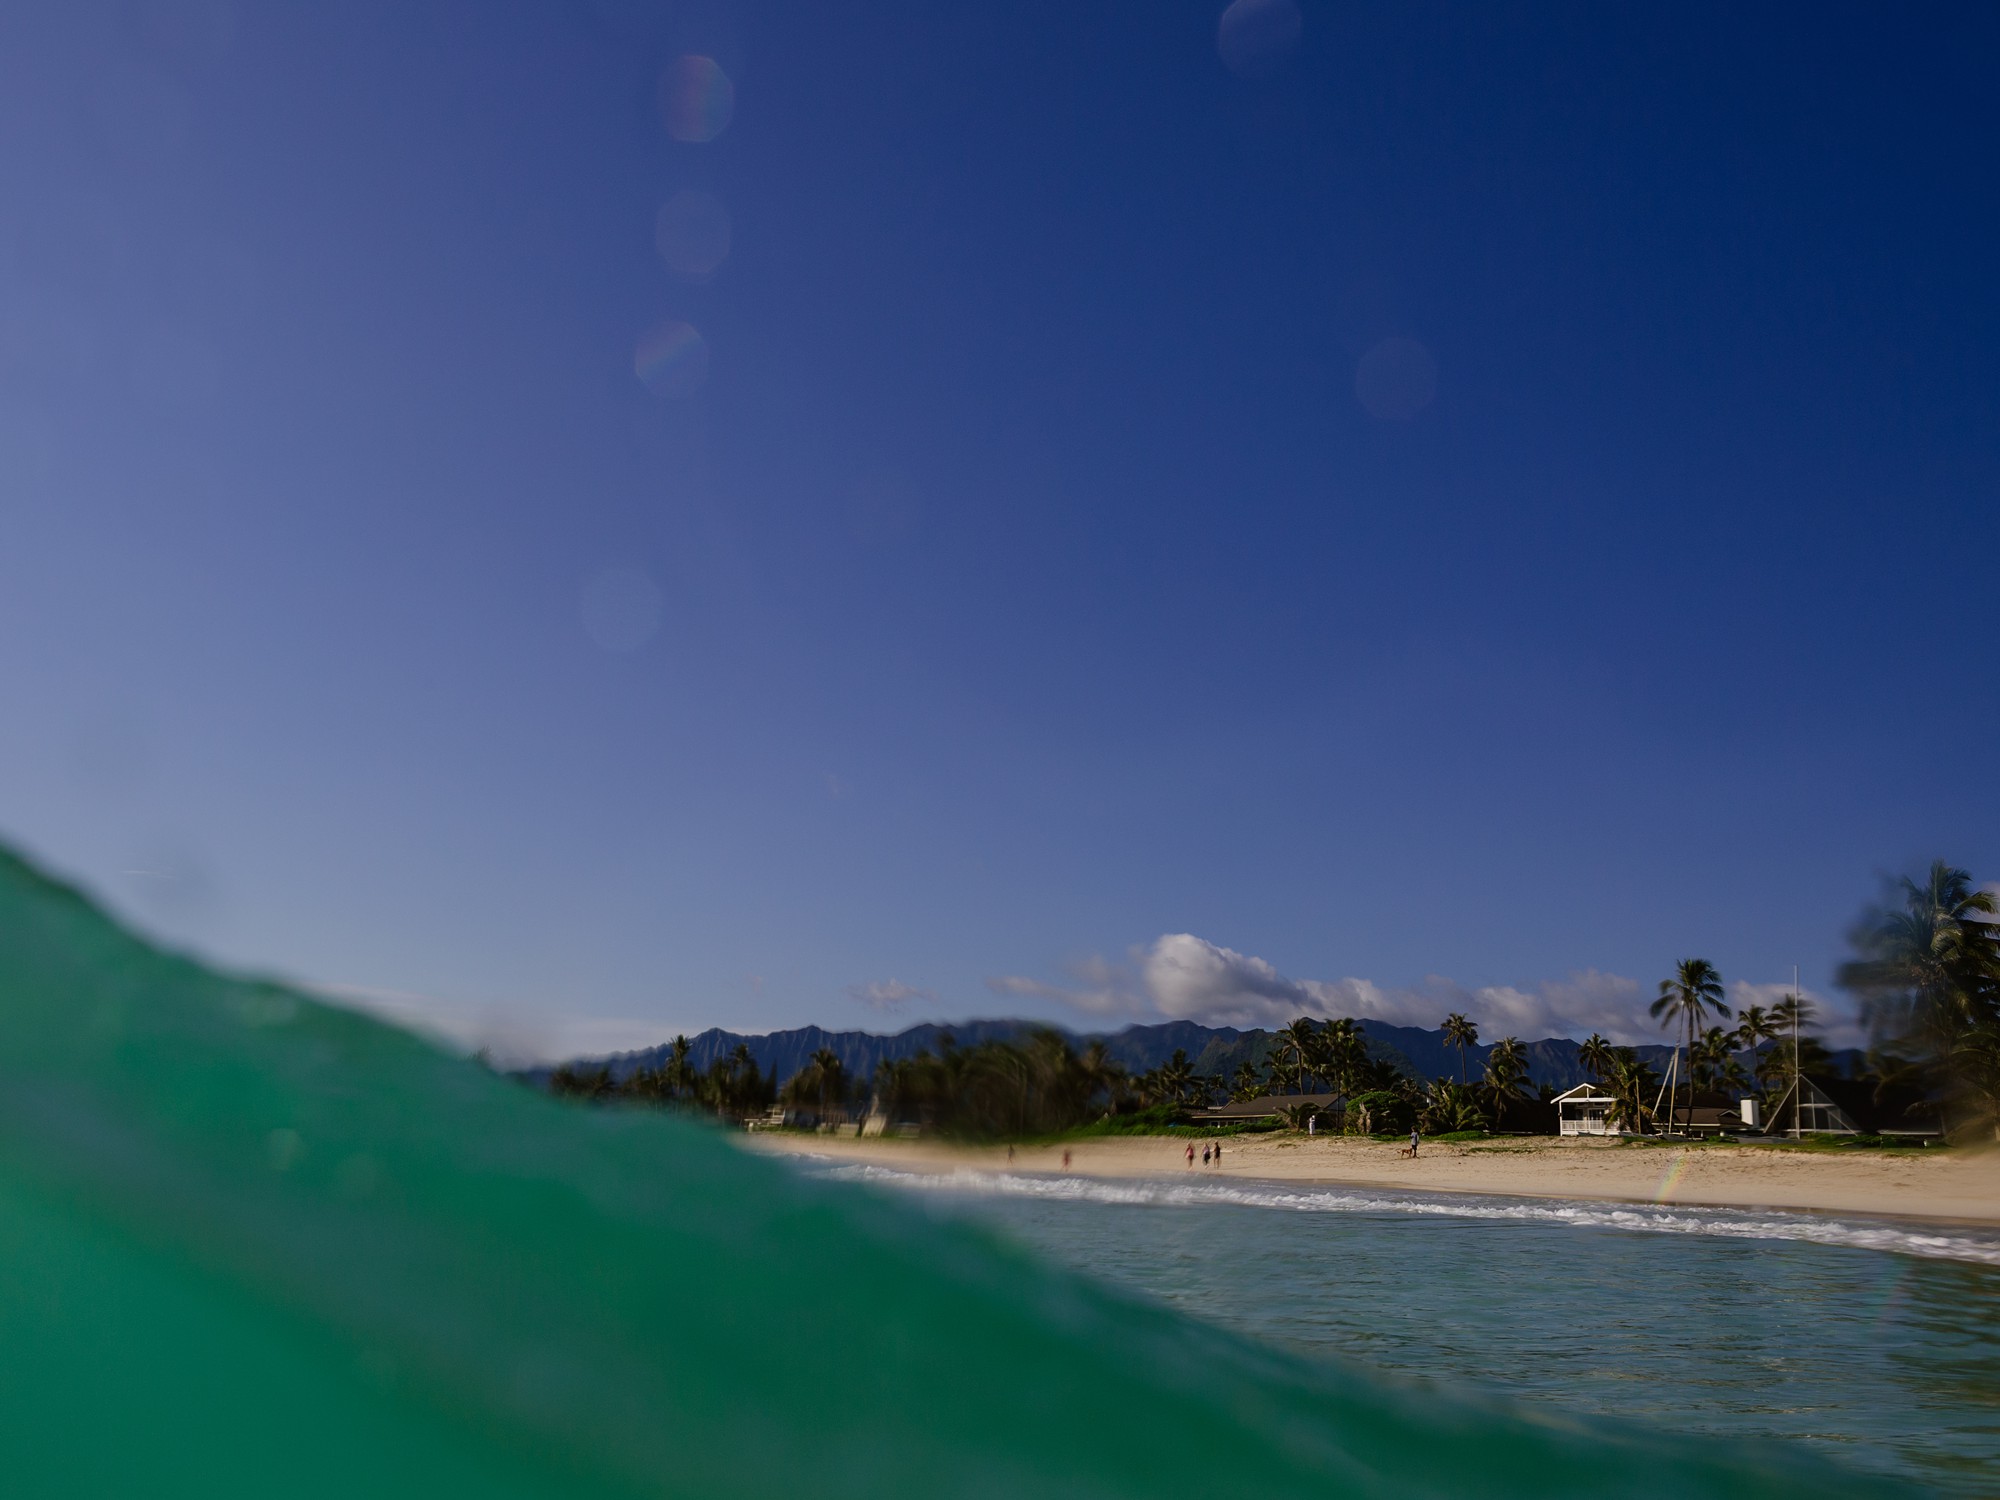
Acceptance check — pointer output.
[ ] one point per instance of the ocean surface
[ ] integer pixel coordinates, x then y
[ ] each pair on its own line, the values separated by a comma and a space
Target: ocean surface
252, 1244
1874, 1342
255, 1245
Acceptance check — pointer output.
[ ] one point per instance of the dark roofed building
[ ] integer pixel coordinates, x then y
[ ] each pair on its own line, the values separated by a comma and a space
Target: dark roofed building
1263, 1107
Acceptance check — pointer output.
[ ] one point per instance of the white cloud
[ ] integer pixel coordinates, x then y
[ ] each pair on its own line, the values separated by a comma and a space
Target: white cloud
1191, 979
889, 994
1103, 989
1835, 1021
1589, 1000
1180, 976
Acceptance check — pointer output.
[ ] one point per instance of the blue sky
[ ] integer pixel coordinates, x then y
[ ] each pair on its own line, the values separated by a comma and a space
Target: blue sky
1487, 504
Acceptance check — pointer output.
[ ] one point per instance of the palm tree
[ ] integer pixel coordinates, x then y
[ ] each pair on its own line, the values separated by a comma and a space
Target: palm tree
733, 1084
1795, 1049
1175, 1077
1596, 1055
1754, 1027
1460, 1033
1302, 1039
1710, 1062
1448, 1107
1685, 1000
1248, 1082
1927, 970
1343, 1054
830, 1079
679, 1070
1630, 1084
1793, 1013
1506, 1066
1101, 1073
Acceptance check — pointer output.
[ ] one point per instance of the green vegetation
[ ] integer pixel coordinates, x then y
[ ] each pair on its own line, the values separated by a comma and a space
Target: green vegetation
1044, 1089
1460, 1033
1686, 999
732, 1089
1926, 967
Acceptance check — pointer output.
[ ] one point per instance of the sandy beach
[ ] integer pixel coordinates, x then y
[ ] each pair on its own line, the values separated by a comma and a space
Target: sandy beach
1958, 1185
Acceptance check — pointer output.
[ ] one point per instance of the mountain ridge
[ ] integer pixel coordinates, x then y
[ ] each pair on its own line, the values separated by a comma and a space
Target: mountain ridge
1422, 1052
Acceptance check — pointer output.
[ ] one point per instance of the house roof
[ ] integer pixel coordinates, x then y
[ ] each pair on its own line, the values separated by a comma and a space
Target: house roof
1583, 1093
1265, 1105
1708, 1114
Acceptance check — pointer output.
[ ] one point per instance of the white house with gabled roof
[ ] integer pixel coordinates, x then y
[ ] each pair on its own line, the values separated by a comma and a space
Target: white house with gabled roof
1585, 1110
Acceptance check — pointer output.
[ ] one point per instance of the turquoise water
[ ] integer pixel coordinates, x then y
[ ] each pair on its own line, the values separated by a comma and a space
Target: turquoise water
1874, 1342
255, 1245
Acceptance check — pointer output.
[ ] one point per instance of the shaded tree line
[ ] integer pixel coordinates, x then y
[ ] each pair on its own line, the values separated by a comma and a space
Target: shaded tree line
732, 1087
1043, 1085
1926, 970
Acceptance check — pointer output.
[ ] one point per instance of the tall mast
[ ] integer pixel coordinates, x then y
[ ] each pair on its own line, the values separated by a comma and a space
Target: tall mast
1799, 1099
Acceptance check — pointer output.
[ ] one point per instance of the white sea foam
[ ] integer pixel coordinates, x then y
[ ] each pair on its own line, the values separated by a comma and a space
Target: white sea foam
1975, 1247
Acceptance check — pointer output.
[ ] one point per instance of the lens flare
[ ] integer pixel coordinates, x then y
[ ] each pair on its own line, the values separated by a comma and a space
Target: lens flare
696, 98
671, 360
691, 232
1258, 37
1395, 380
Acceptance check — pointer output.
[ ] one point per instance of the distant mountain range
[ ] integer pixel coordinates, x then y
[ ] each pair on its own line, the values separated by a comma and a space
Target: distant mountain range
1212, 1049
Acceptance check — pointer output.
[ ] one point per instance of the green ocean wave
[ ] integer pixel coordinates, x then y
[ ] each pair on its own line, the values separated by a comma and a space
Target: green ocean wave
252, 1244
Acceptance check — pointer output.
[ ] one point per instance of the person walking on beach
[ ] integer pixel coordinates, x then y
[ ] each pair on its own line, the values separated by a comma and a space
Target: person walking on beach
1190, 1153
1218, 1153
1413, 1140
1065, 1158
1204, 1154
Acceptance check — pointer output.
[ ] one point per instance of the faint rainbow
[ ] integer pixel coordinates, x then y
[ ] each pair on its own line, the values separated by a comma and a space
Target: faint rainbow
1672, 1179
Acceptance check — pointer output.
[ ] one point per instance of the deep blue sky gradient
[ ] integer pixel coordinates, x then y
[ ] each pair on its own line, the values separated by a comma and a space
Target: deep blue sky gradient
1033, 582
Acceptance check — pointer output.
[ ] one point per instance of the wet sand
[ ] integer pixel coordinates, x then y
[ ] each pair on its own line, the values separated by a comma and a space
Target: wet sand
1961, 1185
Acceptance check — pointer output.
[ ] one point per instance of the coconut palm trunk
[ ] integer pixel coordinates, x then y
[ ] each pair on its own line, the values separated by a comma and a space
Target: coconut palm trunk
1695, 989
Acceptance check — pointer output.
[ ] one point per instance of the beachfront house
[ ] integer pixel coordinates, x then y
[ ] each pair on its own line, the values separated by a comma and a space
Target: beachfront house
1584, 1110
1266, 1107
1713, 1114
1847, 1106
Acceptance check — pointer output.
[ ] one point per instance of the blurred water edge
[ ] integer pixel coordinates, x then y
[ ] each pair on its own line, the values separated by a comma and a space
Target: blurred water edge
254, 1244
1869, 1339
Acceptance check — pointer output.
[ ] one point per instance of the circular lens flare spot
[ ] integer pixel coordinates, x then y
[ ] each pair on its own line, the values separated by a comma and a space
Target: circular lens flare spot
691, 232
1395, 380
1258, 37
671, 360
696, 98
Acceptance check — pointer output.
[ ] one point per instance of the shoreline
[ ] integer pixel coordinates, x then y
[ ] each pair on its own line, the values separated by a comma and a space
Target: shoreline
1958, 1188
